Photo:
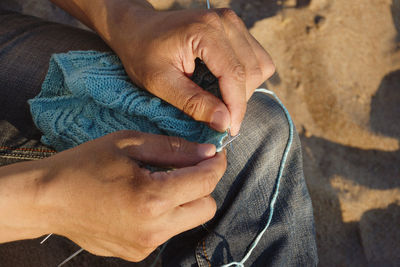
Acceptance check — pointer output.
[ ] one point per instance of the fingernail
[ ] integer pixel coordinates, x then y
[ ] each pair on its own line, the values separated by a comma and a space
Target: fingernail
206, 150
235, 130
220, 121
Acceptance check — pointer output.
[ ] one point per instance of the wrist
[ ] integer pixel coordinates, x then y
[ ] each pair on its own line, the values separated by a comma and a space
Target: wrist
22, 215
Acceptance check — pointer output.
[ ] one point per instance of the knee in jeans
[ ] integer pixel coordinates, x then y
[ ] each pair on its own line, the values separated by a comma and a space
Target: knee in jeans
267, 118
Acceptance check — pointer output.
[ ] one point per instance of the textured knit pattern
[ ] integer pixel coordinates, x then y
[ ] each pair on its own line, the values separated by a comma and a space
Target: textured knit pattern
87, 94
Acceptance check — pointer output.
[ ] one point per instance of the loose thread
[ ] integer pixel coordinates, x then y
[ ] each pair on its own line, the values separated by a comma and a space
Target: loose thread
278, 181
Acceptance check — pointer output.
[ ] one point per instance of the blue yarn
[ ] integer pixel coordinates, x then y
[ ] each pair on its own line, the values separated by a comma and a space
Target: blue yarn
87, 94
278, 181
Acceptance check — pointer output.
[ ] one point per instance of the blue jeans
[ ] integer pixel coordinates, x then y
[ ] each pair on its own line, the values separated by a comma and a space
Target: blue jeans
243, 195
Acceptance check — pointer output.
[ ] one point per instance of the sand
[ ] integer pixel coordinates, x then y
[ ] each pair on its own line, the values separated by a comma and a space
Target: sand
338, 72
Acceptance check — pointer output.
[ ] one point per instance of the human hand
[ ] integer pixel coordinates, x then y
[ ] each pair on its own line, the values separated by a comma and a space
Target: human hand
97, 194
158, 50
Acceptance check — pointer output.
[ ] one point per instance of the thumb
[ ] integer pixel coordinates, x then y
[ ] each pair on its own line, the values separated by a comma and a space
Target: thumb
162, 150
173, 86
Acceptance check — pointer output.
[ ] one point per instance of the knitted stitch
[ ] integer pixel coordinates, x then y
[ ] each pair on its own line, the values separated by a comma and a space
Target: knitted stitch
87, 94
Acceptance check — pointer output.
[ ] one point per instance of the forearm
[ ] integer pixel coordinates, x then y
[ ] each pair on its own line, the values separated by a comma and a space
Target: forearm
104, 15
21, 215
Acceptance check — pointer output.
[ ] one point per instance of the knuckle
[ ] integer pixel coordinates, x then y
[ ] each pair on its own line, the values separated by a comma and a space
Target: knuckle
195, 105
146, 252
136, 258
223, 167
209, 209
239, 72
196, 28
133, 254
256, 73
268, 69
150, 240
153, 207
220, 169
212, 209
219, 172
126, 134
137, 255
153, 79
230, 15
210, 182
176, 144
211, 18
208, 186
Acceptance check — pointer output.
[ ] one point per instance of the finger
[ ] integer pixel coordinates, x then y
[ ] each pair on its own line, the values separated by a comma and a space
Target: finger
187, 184
217, 53
187, 96
188, 216
161, 150
118, 247
125, 249
240, 44
176, 221
248, 58
267, 67
265, 61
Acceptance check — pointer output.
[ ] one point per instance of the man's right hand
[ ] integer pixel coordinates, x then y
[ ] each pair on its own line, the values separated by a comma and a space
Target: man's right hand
159, 48
99, 196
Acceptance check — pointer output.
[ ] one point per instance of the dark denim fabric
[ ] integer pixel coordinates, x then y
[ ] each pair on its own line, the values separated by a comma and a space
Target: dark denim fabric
26, 45
243, 195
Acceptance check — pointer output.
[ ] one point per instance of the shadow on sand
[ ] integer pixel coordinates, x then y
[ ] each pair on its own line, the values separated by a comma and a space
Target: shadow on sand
354, 243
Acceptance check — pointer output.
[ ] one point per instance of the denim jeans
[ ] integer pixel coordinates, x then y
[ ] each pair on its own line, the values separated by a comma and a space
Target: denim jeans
243, 195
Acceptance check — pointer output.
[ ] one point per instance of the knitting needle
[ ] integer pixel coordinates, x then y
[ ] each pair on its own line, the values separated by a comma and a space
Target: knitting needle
47, 237
70, 257
229, 141
208, 4
230, 137
67, 259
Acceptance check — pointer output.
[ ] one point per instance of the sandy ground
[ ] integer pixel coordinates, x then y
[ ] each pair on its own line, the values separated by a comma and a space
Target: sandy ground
338, 72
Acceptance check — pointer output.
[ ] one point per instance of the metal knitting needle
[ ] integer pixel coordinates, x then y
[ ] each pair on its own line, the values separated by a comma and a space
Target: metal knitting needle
208, 4
67, 259
70, 257
231, 138
229, 141
47, 237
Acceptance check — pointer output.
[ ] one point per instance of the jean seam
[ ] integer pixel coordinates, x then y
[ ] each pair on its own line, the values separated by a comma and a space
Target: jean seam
27, 149
25, 153
205, 252
20, 156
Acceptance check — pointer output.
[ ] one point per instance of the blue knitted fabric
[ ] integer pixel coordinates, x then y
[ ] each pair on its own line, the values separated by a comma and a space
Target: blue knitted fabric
87, 94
